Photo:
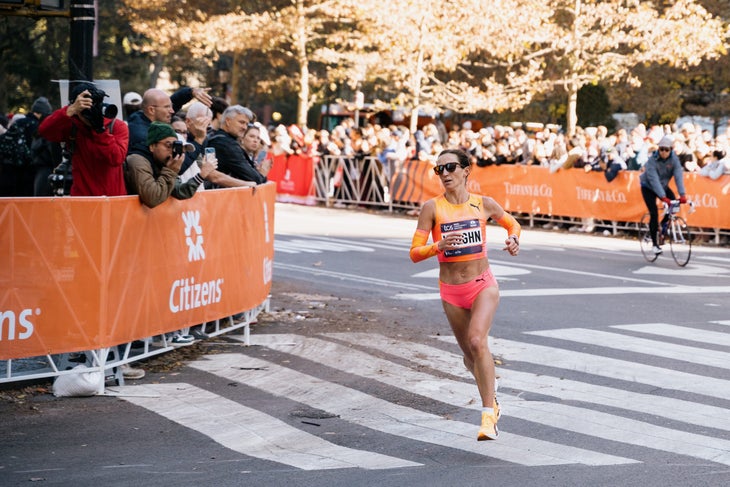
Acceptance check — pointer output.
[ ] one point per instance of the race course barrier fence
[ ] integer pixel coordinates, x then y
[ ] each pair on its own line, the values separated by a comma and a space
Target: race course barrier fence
88, 274
530, 192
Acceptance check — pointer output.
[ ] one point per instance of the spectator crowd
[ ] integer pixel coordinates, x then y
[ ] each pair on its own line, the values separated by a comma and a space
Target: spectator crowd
245, 151
590, 148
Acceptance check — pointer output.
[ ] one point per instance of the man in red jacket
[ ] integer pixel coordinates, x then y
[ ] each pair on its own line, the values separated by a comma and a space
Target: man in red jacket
98, 145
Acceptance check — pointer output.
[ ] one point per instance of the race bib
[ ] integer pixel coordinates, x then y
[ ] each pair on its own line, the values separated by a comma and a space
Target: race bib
472, 239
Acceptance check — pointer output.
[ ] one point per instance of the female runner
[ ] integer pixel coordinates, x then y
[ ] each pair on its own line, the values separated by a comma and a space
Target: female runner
469, 292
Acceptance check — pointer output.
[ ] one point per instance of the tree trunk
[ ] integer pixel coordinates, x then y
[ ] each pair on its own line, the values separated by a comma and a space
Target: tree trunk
301, 53
232, 90
572, 114
418, 78
158, 62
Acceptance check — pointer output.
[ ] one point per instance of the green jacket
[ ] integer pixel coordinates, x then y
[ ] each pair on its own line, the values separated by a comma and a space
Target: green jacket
155, 183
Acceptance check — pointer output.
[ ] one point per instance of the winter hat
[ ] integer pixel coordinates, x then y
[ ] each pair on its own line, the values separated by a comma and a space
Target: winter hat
159, 131
666, 141
79, 88
42, 106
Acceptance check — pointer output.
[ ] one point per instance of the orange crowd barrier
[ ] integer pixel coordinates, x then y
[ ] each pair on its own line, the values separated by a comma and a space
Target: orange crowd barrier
294, 178
572, 192
86, 273
415, 182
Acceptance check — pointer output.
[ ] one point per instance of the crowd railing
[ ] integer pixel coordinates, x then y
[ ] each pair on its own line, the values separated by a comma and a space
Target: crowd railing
96, 279
534, 194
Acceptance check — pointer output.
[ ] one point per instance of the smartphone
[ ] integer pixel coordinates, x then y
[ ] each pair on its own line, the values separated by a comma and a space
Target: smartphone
209, 154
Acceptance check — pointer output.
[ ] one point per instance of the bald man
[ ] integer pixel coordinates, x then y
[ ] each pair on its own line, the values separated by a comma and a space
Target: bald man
158, 106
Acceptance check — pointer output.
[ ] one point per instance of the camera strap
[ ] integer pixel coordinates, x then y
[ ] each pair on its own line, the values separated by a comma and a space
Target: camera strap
70, 146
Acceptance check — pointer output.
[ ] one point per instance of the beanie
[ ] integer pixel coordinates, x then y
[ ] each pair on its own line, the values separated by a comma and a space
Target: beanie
79, 88
159, 131
666, 141
42, 106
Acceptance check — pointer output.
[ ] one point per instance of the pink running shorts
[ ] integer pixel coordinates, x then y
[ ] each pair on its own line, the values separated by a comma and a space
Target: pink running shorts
463, 295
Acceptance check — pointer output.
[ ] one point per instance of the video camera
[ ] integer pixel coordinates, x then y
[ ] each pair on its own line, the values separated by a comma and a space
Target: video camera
61, 179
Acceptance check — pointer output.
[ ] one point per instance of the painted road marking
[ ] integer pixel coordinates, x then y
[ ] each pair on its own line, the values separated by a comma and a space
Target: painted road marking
251, 432
591, 291
580, 420
457, 393
377, 414
684, 353
609, 367
561, 388
681, 332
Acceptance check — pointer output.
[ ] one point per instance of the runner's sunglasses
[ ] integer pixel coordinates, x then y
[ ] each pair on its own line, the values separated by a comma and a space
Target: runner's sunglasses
449, 167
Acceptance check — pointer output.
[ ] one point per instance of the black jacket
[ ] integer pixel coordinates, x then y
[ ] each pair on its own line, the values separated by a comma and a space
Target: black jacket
232, 159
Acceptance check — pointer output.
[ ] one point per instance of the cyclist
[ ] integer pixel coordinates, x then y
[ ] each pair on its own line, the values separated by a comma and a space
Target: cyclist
662, 166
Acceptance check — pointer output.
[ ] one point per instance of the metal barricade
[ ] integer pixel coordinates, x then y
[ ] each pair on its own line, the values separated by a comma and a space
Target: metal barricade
342, 181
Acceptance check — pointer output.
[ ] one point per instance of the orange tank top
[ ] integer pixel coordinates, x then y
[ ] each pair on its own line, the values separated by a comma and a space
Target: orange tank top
466, 219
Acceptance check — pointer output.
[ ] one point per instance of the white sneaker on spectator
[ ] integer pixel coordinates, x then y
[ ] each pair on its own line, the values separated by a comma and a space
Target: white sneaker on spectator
178, 339
132, 373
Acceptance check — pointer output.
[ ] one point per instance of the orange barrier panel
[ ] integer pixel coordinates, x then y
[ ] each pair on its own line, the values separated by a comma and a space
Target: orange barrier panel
294, 178
415, 181
573, 192
85, 273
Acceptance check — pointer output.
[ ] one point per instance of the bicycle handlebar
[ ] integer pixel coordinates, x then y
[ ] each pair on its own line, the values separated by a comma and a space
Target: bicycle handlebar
674, 204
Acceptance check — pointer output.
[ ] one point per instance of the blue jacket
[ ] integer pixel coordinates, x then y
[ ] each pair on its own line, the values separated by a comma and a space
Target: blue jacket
139, 124
658, 172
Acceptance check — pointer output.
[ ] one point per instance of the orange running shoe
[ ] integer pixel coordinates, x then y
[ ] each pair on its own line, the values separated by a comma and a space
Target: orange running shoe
488, 430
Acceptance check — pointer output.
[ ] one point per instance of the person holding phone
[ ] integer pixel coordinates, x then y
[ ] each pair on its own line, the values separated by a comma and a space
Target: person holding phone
233, 160
457, 221
153, 173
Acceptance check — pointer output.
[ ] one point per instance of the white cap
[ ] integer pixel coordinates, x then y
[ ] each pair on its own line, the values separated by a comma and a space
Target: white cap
263, 133
132, 98
666, 141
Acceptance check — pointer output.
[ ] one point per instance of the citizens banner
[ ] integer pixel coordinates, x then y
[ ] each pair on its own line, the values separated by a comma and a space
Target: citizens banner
86, 273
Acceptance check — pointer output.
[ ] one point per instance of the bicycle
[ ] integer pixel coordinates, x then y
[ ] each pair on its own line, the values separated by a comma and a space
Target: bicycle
674, 229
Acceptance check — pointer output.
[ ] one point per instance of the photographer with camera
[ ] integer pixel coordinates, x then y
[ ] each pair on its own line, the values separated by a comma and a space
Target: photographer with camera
153, 173
95, 140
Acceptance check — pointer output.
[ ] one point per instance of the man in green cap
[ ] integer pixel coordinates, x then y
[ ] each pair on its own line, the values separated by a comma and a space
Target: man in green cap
152, 173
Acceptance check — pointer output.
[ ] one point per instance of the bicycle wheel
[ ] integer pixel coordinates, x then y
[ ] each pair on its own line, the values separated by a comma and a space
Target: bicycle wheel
647, 247
680, 241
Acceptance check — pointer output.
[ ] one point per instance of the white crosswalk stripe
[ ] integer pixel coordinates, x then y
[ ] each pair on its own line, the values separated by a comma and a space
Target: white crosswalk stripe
611, 367
579, 420
601, 415
379, 415
616, 341
681, 332
249, 431
559, 387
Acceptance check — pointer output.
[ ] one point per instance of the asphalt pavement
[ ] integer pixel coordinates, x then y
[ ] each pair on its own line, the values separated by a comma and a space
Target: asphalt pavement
613, 372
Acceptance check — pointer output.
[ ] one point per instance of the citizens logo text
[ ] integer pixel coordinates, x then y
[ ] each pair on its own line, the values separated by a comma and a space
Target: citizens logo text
17, 326
187, 294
